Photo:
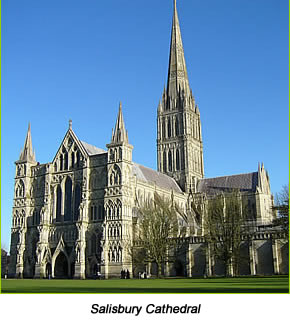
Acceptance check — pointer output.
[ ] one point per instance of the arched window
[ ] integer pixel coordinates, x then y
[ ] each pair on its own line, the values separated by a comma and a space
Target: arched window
66, 161
92, 213
95, 213
163, 128
169, 128
61, 162
181, 131
177, 160
164, 162
115, 176
67, 200
119, 254
176, 126
182, 159
55, 167
77, 201
58, 203
169, 161
20, 189
72, 159
100, 213
36, 217
78, 159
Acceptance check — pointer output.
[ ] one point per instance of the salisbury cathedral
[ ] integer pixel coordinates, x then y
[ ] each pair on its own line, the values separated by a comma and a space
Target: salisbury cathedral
74, 215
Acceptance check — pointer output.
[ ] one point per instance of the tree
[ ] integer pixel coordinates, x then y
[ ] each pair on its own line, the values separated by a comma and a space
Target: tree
224, 227
158, 230
282, 208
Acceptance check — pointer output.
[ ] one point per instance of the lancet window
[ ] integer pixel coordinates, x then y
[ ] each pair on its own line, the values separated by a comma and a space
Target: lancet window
169, 160
163, 129
164, 162
177, 160
169, 128
176, 127
68, 200
58, 203
66, 161
61, 162
35, 217
77, 201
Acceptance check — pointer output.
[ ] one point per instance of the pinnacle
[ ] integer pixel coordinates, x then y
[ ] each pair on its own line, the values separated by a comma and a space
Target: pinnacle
27, 154
120, 134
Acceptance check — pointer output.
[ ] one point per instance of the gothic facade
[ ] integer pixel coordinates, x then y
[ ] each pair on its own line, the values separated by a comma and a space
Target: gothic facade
75, 215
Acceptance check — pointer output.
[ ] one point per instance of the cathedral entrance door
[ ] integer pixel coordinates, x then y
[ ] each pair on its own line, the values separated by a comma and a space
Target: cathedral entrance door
61, 266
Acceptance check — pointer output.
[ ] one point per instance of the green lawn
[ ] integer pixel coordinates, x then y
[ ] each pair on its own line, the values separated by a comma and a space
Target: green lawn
275, 284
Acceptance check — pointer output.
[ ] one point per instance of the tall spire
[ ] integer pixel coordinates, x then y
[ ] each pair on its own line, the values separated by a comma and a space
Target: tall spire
27, 153
177, 73
120, 135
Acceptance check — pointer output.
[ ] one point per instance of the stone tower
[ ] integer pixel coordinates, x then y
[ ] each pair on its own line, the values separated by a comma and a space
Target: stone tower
21, 207
179, 140
118, 202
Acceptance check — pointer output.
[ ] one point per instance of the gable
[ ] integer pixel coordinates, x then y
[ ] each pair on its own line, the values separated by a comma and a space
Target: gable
71, 150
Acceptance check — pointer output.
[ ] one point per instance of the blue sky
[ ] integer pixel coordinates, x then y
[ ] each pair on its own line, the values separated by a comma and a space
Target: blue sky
76, 60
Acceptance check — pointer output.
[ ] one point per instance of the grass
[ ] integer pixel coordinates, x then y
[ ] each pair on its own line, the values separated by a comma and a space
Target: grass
274, 284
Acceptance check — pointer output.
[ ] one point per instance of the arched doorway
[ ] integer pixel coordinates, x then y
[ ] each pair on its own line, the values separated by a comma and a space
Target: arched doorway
179, 271
48, 271
61, 266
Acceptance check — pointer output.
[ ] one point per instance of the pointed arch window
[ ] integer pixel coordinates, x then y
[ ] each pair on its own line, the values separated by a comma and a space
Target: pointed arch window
66, 161
34, 217
20, 189
58, 203
92, 213
169, 160
100, 212
169, 128
115, 176
77, 202
181, 126
177, 160
78, 159
72, 159
182, 159
164, 162
176, 126
163, 129
61, 162
68, 200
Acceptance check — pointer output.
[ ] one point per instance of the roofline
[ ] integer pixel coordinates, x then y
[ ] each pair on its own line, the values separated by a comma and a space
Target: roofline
231, 175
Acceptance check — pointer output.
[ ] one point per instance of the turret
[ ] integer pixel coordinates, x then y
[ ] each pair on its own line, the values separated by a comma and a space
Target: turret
119, 148
118, 217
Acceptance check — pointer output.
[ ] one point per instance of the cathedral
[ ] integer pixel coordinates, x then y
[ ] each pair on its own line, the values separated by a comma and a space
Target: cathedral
73, 216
